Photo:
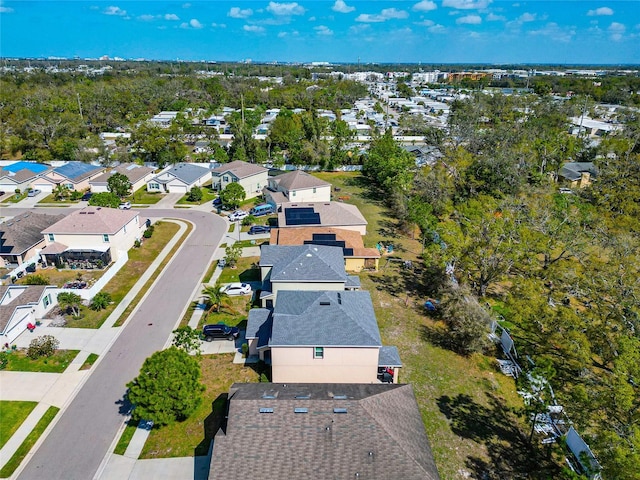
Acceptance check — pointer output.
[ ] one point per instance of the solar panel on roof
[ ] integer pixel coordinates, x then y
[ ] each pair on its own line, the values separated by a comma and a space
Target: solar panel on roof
347, 252
31, 166
324, 236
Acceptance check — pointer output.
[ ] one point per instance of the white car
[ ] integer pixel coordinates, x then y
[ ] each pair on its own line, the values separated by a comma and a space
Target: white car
236, 289
125, 206
238, 215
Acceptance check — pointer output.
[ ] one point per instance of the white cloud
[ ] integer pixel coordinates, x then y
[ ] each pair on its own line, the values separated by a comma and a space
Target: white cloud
469, 19
492, 17
253, 28
146, 18
186, 5
425, 23
357, 29
237, 12
424, 6
437, 29
195, 23
218, 25
323, 30
466, 4
600, 11
341, 7
282, 34
171, 16
616, 30
555, 32
527, 17
112, 10
383, 16
285, 9
312, 19
4, 9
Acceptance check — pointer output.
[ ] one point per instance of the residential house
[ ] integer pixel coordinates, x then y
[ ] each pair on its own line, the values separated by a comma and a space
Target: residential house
296, 186
73, 175
302, 267
163, 119
20, 175
21, 305
180, 178
322, 431
356, 256
577, 174
21, 237
250, 176
94, 234
322, 214
138, 175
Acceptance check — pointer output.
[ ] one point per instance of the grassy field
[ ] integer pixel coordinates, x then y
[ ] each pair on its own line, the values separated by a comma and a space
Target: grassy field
192, 437
60, 277
12, 415
56, 363
125, 279
244, 271
142, 197
51, 198
32, 438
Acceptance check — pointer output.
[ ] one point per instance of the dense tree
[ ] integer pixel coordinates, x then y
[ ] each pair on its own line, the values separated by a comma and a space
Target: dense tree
232, 195
119, 184
195, 194
168, 388
104, 199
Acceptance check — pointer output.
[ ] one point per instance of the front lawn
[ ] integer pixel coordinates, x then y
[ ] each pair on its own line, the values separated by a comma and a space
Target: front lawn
60, 277
13, 414
142, 197
246, 271
51, 198
56, 363
208, 195
193, 436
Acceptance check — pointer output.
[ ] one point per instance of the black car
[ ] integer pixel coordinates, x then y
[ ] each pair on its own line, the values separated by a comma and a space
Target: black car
217, 202
219, 330
31, 268
87, 196
255, 229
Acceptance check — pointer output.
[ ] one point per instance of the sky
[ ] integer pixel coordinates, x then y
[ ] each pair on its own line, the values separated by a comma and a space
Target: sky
349, 31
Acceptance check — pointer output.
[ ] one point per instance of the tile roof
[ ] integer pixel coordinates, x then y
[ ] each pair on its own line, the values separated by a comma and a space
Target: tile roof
239, 169
93, 220
187, 172
77, 171
20, 233
331, 213
298, 180
380, 435
326, 318
304, 263
29, 295
298, 235
132, 171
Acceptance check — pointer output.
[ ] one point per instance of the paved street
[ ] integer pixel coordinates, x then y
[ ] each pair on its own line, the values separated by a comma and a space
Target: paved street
82, 436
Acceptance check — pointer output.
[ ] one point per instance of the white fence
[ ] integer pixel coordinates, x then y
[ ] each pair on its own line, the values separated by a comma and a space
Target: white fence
89, 293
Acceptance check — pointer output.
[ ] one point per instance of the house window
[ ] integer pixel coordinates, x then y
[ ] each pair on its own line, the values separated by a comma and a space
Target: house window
314, 189
293, 194
154, 186
105, 238
52, 237
318, 352
69, 186
225, 178
47, 301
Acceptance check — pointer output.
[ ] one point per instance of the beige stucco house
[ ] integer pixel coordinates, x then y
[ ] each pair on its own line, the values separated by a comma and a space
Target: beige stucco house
73, 175
138, 175
92, 234
252, 177
21, 175
21, 305
296, 186
21, 237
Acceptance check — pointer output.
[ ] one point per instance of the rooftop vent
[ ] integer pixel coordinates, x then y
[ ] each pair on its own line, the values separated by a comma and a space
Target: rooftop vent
270, 394
303, 396
325, 303
339, 410
300, 410
266, 410
340, 397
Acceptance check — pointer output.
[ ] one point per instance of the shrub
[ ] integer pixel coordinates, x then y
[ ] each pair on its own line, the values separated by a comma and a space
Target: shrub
43, 346
76, 195
36, 280
246, 221
4, 359
148, 232
195, 194
100, 301
232, 254
245, 349
137, 244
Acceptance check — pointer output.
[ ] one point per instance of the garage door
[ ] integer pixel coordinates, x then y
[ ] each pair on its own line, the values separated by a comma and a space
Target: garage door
178, 189
45, 187
16, 326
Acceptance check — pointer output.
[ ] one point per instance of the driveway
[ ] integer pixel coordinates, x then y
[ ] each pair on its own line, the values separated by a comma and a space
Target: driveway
168, 201
78, 443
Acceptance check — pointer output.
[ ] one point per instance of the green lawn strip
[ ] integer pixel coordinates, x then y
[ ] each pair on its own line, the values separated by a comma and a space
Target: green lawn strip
125, 279
210, 272
15, 198
188, 314
28, 443
208, 196
12, 415
152, 279
125, 438
56, 363
91, 359
252, 243
142, 197
51, 198
243, 271
192, 437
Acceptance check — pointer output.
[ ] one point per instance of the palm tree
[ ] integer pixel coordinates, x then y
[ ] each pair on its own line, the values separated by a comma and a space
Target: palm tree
214, 297
61, 192
68, 300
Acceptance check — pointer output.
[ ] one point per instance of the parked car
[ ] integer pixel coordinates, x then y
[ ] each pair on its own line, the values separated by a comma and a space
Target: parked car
256, 229
217, 202
31, 268
219, 330
236, 289
262, 209
238, 215
566, 191
125, 206
33, 193
86, 196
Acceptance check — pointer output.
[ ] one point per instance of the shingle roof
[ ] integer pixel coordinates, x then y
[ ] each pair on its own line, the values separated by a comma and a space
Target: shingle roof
573, 171
31, 166
20, 233
298, 180
300, 235
304, 263
93, 220
132, 171
325, 318
29, 295
389, 357
22, 171
381, 436
77, 171
331, 213
239, 169
259, 325
187, 172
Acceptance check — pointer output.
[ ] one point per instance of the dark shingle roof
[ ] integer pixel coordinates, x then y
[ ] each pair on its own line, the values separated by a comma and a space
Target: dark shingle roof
187, 172
389, 357
573, 171
20, 233
328, 318
298, 180
259, 325
380, 435
304, 263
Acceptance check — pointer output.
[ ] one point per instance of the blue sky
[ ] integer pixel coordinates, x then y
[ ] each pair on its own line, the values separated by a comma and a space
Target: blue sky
427, 31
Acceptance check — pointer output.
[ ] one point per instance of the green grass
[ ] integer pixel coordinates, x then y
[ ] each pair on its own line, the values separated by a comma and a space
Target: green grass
125, 438
56, 363
142, 197
208, 196
91, 359
193, 436
210, 272
32, 438
244, 271
51, 198
12, 415
125, 279
252, 243
15, 198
